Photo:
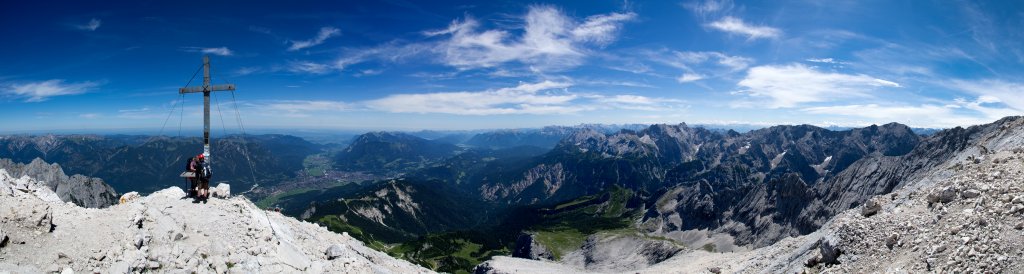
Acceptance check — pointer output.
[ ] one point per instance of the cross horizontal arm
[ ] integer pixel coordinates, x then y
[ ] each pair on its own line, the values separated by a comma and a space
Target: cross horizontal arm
201, 89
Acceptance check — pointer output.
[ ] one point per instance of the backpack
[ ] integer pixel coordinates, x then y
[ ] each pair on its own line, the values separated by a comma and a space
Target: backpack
188, 163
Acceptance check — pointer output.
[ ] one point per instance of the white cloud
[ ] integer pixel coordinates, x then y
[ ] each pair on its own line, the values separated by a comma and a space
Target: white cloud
523, 99
1008, 93
637, 102
709, 7
689, 77
308, 67
293, 108
303, 106
601, 29
222, 51
323, 35
88, 115
546, 97
883, 113
735, 25
960, 112
242, 71
821, 60
42, 91
369, 72
697, 64
91, 26
550, 40
791, 85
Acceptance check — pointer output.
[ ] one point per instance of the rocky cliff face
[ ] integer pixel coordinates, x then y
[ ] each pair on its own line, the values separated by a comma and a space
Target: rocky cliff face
78, 189
163, 232
954, 203
757, 187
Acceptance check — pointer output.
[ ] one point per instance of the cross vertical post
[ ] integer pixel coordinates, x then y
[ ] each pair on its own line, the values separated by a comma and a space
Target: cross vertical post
206, 89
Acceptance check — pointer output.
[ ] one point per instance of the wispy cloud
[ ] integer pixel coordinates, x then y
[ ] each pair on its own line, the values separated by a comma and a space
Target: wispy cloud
1009, 93
303, 108
550, 40
689, 77
791, 85
91, 26
42, 91
959, 112
699, 65
709, 8
546, 97
323, 35
89, 115
737, 26
222, 51
242, 71
308, 67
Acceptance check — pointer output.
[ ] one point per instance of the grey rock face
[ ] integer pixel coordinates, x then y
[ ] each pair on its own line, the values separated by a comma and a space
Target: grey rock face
620, 253
829, 248
527, 247
80, 190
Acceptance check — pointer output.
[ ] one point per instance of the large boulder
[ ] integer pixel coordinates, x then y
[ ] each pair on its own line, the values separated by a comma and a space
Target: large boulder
871, 207
222, 190
130, 197
335, 251
945, 195
829, 249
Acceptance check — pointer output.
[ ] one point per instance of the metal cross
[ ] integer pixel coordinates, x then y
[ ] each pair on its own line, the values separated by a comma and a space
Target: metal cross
206, 89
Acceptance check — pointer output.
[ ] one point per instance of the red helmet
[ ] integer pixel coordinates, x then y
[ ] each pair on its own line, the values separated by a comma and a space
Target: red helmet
200, 156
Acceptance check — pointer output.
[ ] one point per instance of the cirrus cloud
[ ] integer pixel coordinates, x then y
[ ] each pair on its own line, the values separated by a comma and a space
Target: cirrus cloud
44, 90
323, 35
546, 97
737, 26
788, 86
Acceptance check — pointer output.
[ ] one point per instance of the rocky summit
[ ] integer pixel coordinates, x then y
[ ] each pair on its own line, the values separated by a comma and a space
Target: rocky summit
168, 233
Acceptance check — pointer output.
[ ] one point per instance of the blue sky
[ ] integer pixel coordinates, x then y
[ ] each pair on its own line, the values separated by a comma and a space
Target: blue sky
507, 64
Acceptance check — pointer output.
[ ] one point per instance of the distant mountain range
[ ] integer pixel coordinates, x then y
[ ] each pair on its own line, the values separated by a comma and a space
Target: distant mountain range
146, 164
458, 198
743, 189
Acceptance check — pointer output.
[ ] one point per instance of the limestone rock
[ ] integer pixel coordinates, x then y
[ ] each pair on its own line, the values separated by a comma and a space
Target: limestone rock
129, 197
870, 207
829, 249
944, 195
163, 233
970, 193
335, 251
3, 238
222, 190
80, 190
